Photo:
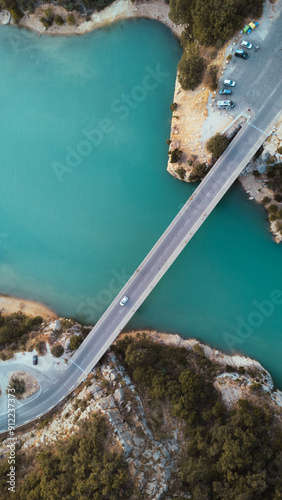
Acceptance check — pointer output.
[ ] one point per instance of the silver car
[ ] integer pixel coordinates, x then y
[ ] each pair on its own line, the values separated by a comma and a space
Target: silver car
123, 301
246, 45
229, 83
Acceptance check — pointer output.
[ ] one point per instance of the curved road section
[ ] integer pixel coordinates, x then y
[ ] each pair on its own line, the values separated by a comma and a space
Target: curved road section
160, 258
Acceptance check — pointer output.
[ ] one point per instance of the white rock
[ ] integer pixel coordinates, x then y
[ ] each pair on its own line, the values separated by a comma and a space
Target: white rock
118, 395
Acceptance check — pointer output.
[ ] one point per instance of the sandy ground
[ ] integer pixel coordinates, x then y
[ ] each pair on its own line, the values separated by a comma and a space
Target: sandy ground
121, 9
189, 131
9, 305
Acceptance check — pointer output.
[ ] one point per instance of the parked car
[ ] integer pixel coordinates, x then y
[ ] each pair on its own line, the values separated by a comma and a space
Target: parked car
123, 301
241, 53
225, 104
225, 91
35, 359
247, 45
229, 83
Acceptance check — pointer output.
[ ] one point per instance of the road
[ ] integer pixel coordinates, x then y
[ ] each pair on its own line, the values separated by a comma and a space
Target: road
156, 263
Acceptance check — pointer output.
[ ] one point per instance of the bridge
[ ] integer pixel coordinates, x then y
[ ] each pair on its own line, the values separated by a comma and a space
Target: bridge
157, 262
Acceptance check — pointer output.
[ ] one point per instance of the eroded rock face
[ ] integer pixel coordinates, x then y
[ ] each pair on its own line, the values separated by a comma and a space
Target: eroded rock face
111, 392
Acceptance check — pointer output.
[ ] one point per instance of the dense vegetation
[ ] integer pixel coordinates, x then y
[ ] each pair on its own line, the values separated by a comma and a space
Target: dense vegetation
14, 329
85, 7
81, 467
212, 22
190, 67
208, 23
231, 455
274, 175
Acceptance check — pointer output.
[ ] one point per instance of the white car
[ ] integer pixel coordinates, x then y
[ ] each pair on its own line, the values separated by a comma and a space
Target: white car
247, 45
229, 83
123, 300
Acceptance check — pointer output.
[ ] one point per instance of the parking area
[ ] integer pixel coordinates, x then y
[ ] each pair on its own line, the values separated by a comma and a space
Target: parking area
255, 77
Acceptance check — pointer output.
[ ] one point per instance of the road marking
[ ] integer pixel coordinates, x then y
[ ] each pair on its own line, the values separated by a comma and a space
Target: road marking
50, 408
261, 131
61, 398
46, 390
78, 367
56, 381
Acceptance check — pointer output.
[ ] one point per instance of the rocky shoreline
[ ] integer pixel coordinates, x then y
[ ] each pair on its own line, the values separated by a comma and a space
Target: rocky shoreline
118, 10
152, 454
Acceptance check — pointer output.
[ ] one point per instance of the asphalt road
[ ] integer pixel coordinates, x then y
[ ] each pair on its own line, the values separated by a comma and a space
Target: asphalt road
160, 258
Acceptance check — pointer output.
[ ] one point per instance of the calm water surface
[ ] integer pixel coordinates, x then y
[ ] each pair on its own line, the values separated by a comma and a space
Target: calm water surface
77, 217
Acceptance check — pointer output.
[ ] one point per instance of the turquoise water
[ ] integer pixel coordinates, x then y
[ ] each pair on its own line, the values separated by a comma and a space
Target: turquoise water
84, 193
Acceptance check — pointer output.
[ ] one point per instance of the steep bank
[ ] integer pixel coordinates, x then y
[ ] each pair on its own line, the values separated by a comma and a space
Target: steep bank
142, 424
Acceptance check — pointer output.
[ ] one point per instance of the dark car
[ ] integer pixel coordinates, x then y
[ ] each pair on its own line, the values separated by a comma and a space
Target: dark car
35, 359
241, 53
225, 91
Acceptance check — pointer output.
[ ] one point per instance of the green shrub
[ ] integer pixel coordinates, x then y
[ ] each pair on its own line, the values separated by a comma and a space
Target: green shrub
75, 341
173, 106
229, 57
17, 386
278, 197
59, 20
279, 150
279, 213
46, 22
57, 351
217, 144
256, 173
71, 19
272, 208
181, 172
175, 155
190, 68
199, 170
272, 217
266, 200
40, 347
211, 79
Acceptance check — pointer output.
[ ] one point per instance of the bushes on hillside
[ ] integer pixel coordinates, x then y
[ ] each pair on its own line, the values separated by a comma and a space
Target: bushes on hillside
190, 67
212, 22
79, 467
231, 455
15, 326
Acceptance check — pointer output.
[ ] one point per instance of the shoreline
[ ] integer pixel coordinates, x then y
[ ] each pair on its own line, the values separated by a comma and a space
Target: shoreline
120, 9
10, 304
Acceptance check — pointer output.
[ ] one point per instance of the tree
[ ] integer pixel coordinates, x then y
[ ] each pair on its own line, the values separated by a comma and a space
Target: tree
217, 144
71, 19
75, 341
17, 385
59, 20
57, 351
173, 106
190, 68
180, 11
175, 155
